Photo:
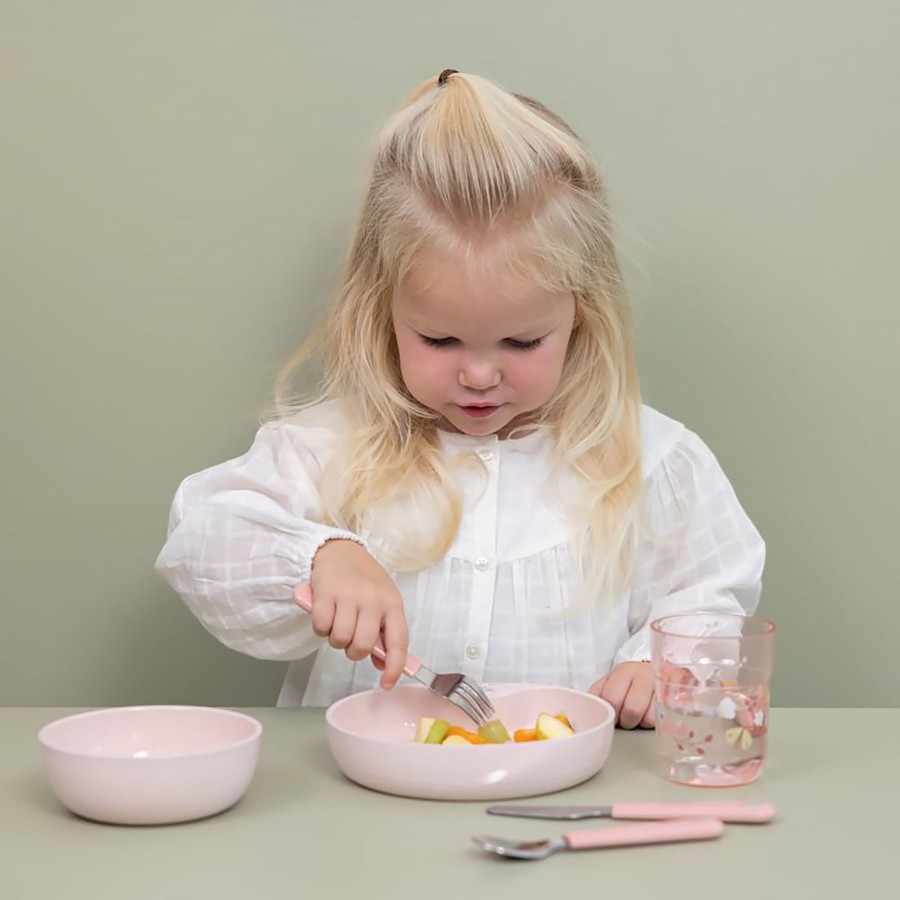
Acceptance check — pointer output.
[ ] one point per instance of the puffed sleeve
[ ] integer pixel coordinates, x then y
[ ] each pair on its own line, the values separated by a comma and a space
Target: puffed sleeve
242, 534
699, 551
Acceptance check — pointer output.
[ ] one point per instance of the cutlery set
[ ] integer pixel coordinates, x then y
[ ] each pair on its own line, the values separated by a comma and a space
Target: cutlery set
663, 823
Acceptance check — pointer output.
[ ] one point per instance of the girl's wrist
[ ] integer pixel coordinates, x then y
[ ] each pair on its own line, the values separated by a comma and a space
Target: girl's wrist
332, 542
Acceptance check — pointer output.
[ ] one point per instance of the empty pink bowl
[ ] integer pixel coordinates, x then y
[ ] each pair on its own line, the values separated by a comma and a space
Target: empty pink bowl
371, 738
150, 765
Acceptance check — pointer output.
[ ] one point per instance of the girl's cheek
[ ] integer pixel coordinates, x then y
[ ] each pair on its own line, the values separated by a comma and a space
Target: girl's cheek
426, 366
536, 369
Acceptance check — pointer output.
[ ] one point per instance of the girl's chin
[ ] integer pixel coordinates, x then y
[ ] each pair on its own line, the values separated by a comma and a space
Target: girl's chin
477, 426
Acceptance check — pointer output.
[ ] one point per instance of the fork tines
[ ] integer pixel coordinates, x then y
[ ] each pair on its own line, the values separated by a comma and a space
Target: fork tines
473, 701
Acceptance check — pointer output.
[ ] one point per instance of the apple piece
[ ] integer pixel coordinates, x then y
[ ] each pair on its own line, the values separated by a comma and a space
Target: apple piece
564, 719
455, 740
550, 728
422, 729
437, 732
494, 732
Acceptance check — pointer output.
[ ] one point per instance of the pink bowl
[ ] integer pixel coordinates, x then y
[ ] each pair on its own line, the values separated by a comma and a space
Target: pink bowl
148, 765
371, 738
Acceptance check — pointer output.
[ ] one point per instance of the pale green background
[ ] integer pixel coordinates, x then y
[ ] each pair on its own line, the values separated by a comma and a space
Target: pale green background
178, 180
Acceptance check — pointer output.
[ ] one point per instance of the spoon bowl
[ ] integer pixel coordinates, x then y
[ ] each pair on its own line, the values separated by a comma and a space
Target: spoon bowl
661, 832
520, 849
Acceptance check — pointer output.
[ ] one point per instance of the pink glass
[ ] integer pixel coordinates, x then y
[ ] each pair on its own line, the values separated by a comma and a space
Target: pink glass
712, 673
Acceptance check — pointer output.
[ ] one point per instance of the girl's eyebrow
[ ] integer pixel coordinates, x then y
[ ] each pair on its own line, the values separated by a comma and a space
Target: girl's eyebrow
529, 334
423, 328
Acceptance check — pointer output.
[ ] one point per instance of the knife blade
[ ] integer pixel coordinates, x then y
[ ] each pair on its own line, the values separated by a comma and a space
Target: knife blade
725, 811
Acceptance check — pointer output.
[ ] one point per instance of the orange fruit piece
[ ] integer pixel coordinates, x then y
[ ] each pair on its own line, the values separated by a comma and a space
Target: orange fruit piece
470, 736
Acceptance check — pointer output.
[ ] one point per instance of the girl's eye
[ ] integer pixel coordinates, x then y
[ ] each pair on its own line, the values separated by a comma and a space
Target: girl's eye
510, 342
437, 342
525, 345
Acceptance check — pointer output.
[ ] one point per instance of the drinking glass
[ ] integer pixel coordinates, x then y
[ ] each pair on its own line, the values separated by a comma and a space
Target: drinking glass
712, 673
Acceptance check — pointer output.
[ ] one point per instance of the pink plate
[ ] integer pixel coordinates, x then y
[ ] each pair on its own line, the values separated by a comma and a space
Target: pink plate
371, 739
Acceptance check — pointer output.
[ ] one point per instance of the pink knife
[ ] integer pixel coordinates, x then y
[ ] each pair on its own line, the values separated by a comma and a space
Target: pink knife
725, 811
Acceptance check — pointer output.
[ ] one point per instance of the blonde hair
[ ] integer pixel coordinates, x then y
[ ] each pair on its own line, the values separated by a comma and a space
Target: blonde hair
461, 163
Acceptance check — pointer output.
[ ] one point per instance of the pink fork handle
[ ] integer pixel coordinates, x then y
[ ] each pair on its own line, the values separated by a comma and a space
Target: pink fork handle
303, 597
757, 813
645, 833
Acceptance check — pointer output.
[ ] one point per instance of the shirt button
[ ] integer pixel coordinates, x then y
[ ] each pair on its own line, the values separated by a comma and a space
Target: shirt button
486, 455
472, 651
481, 563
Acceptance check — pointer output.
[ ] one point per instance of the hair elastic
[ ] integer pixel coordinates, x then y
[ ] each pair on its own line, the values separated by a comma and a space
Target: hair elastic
442, 78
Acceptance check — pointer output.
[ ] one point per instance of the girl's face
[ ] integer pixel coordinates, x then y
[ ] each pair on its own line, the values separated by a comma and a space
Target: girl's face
484, 349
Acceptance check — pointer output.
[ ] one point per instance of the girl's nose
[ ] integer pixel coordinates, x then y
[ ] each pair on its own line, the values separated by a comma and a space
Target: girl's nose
479, 375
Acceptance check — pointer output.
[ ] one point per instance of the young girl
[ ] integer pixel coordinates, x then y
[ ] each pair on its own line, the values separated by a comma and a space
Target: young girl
478, 479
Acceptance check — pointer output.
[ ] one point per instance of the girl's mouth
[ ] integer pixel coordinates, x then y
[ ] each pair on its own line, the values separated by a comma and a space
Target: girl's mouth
479, 412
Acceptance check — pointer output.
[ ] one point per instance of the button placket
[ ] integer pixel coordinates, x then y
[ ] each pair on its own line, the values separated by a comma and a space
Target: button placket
484, 543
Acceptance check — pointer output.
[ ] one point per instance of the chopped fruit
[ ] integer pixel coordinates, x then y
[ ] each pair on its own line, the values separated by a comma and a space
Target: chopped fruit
437, 732
440, 731
550, 728
494, 732
470, 736
422, 729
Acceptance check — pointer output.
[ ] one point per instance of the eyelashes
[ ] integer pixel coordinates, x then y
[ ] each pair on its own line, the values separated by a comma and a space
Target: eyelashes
509, 342
525, 345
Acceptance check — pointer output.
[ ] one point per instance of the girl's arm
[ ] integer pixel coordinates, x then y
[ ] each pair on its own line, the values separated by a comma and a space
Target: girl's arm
700, 552
241, 535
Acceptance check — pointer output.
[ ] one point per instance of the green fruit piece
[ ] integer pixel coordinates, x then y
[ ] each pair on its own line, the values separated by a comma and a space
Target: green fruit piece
494, 732
437, 732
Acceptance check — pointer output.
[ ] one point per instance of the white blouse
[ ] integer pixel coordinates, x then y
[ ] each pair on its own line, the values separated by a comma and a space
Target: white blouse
243, 533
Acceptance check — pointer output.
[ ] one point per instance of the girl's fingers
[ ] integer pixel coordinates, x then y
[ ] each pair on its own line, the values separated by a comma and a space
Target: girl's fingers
396, 645
368, 628
649, 720
344, 626
322, 615
628, 688
615, 689
355, 629
637, 702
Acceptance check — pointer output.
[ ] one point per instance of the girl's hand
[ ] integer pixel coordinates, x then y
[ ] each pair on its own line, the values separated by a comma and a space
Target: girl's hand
629, 689
354, 602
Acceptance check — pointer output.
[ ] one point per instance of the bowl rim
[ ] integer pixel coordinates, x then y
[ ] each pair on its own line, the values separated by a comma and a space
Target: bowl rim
45, 736
512, 687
